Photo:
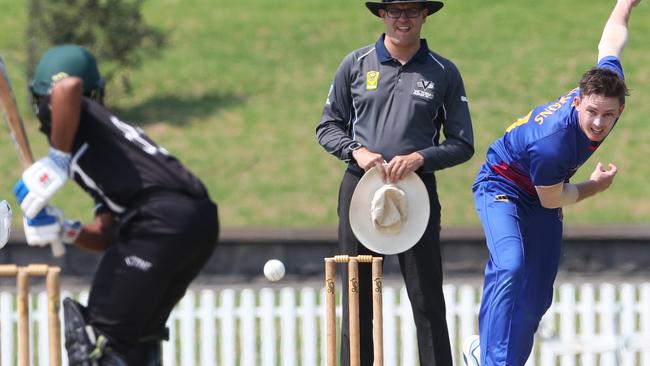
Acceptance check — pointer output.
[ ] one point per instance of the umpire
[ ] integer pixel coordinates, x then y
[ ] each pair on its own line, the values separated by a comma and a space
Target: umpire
153, 218
389, 102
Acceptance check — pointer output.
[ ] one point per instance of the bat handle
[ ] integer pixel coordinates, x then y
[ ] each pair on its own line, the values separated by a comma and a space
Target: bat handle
58, 248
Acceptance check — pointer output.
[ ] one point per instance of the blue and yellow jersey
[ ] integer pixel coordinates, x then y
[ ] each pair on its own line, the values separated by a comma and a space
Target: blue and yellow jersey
544, 147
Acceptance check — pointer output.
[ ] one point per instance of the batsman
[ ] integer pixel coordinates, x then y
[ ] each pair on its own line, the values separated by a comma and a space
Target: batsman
154, 220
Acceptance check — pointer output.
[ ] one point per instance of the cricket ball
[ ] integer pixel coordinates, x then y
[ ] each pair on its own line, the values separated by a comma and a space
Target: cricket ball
274, 270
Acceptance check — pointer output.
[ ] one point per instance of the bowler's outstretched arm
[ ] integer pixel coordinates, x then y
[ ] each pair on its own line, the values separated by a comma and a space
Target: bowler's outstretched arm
614, 37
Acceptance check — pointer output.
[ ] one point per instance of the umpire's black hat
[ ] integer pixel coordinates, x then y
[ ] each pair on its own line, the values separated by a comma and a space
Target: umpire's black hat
432, 6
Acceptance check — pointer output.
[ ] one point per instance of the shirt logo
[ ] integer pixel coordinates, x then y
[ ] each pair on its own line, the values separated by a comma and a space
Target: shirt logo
424, 89
372, 79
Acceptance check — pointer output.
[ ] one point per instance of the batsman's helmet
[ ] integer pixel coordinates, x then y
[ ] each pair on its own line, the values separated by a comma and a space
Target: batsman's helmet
63, 61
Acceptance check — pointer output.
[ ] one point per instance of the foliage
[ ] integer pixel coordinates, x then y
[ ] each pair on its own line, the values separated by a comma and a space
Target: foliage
114, 30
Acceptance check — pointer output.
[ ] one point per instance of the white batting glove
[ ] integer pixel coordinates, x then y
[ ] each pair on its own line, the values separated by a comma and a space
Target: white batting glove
41, 181
5, 222
45, 228
49, 228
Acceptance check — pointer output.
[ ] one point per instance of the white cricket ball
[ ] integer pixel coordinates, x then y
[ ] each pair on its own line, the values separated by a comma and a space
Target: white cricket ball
274, 270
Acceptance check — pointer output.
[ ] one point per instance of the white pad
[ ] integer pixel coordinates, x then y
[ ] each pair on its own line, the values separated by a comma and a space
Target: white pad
5, 222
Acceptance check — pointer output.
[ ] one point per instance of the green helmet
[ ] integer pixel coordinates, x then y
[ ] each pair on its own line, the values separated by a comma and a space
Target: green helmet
63, 61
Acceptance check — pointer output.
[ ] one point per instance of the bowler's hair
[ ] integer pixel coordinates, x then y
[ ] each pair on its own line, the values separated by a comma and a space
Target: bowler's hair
605, 82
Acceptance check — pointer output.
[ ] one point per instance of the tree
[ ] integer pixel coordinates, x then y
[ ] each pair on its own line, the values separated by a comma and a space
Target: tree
113, 30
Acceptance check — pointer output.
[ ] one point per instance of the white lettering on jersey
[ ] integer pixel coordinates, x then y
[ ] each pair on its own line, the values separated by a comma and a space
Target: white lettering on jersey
134, 135
137, 262
89, 182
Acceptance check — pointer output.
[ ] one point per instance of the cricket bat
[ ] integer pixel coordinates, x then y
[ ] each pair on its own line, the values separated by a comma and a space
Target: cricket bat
17, 131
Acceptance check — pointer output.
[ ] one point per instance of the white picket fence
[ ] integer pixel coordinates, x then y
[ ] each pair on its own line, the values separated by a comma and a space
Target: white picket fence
599, 325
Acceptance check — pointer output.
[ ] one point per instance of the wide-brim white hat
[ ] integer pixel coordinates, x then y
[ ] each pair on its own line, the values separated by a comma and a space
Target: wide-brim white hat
411, 229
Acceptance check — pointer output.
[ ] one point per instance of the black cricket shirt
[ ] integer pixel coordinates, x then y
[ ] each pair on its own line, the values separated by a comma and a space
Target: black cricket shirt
116, 163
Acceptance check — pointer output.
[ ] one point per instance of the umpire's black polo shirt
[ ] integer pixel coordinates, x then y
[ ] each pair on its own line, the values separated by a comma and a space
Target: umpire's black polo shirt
396, 109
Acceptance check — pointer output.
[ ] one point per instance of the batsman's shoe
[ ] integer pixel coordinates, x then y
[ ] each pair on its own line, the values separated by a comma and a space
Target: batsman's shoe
85, 346
472, 351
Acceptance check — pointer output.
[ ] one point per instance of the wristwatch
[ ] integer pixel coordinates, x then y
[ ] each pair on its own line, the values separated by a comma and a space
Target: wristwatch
354, 146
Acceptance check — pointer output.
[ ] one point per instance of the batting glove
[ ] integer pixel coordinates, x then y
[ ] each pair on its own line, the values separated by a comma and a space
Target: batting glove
47, 228
70, 230
44, 228
5, 222
41, 181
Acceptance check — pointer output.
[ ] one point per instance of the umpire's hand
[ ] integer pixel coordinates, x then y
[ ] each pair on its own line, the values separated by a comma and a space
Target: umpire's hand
401, 165
367, 159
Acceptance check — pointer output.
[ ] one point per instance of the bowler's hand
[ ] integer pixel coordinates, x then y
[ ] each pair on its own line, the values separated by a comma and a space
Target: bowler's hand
367, 159
603, 177
630, 3
402, 165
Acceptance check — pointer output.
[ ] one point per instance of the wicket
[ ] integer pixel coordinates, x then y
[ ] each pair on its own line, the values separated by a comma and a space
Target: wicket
353, 307
53, 294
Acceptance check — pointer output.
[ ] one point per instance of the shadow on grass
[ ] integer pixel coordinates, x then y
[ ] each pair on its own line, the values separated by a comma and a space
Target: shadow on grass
178, 110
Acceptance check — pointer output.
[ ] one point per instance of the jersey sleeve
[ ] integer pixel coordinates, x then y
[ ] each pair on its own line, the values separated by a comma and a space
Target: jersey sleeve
551, 159
333, 129
458, 146
612, 63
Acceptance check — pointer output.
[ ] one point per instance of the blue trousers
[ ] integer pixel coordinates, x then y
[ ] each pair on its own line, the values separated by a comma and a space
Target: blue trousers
524, 241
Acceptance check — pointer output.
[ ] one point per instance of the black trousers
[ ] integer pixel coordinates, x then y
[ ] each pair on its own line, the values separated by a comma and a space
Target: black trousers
160, 248
421, 269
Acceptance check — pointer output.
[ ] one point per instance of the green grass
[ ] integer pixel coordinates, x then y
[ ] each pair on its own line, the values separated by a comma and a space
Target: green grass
239, 90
